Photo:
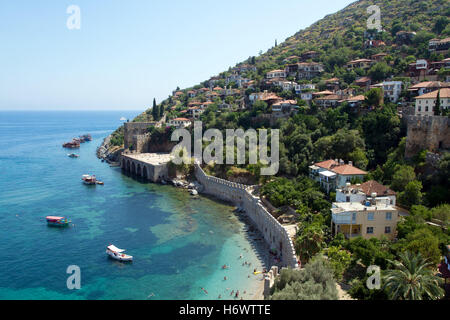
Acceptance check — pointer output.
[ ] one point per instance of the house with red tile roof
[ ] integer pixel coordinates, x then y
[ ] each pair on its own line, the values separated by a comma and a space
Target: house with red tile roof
361, 192
179, 123
360, 63
425, 103
332, 174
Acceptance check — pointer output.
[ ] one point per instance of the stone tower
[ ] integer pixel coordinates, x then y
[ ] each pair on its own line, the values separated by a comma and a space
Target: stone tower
427, 132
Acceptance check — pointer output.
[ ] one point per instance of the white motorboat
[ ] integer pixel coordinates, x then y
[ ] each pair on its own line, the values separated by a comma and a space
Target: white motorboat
118, 254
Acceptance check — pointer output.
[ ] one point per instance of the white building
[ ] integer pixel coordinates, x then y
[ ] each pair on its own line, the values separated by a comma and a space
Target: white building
332, 174
426, 102
276, 74
392, 90
179, 123
364, 191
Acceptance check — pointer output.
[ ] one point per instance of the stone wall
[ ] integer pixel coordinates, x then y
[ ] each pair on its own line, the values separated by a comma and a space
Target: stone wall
427, 132
135, 135
151, 172
275, 235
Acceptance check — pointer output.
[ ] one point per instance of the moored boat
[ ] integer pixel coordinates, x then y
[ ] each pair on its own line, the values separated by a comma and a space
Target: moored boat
73, 155
118, 254
57, 221
89, 180
86, 137
74, 144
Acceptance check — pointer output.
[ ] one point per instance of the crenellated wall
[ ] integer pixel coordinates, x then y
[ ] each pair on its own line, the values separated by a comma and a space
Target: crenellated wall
275, 235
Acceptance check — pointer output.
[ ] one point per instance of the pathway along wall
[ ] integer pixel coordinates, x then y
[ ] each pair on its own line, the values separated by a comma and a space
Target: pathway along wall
274, 233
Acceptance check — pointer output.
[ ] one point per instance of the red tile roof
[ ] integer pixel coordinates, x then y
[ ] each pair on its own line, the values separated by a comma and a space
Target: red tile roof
372, 186
444, 93
344, 169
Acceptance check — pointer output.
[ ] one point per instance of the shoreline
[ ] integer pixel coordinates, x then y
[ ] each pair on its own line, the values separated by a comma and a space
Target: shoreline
252, 234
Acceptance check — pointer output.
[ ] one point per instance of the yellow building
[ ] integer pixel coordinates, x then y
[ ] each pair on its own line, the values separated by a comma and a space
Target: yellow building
368, 219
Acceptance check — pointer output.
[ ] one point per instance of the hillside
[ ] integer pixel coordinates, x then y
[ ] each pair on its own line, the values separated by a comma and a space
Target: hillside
339, 94
340, 37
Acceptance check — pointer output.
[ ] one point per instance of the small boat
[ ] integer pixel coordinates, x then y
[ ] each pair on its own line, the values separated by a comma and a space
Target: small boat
101, 183
123, 119
86, 137
89, 180
57, 221
74, 144
118, 254
73, 155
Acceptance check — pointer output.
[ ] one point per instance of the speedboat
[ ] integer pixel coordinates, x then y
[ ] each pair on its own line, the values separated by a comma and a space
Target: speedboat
73, 155
89, 180
57, 221
118, 254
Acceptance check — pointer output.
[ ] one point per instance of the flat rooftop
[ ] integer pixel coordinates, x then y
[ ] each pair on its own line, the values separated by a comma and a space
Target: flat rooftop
151, 158
340, 207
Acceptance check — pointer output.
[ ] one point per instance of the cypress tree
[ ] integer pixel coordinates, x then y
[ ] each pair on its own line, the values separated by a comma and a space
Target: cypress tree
161, 111
155, 110
437, 107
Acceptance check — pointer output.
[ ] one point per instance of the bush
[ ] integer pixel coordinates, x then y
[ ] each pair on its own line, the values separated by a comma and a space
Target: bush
314, 282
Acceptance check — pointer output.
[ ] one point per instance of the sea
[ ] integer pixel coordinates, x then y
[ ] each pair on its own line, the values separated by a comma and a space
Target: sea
179, 243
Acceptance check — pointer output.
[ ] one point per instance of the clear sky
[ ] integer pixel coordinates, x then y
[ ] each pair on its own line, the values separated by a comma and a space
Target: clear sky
128, 52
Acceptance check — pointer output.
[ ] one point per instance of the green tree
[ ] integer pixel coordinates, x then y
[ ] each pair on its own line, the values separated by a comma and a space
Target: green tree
437, 106
380, 71
155, 111
424, 242
442, 213
412, 194
374, 97
309, 242
339, 260
404, 174
314, 282
440, 24
412, 279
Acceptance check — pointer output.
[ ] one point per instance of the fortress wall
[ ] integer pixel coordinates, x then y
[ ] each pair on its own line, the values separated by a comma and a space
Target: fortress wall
135, 134
427, 132
273, 232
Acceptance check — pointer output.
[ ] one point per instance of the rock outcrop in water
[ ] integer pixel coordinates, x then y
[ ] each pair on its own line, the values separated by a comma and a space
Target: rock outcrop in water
108, 152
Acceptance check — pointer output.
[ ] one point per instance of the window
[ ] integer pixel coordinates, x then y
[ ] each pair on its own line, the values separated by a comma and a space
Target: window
389, 215
371, 216
354, 217
387, 230
369, 230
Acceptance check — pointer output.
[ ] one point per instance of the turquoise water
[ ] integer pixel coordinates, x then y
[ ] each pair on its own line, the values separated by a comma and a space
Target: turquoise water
179, 243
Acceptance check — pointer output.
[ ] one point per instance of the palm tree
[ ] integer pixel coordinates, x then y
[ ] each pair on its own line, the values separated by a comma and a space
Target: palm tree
412, 279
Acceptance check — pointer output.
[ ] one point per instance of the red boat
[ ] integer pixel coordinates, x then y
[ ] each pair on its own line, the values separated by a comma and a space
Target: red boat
71, 145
